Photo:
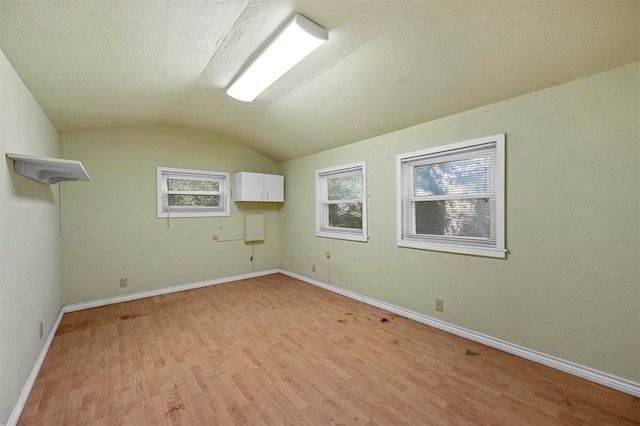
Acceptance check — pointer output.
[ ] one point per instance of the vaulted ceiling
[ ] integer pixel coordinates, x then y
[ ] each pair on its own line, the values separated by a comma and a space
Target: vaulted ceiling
387, 65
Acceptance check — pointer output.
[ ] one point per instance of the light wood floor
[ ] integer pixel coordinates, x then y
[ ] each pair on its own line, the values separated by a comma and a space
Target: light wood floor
274, 350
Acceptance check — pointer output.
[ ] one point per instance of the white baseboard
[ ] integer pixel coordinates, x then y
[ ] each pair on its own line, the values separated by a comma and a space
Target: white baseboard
26, 390
166, 290
602, 378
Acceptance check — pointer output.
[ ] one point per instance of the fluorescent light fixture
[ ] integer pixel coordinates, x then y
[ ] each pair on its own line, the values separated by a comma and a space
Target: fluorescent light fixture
297, 40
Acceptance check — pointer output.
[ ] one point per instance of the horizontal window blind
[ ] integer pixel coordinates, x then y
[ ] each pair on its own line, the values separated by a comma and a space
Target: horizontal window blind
450, 196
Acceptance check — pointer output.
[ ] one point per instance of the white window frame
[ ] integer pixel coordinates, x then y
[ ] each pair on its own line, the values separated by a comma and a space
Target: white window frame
322, 202
406, 201
163, 210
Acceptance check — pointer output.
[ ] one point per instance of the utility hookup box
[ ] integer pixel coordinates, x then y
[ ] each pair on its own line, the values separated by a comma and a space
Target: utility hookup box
254, 227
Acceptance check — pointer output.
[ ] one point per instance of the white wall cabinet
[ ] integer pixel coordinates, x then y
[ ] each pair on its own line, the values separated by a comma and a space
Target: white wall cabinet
248, 186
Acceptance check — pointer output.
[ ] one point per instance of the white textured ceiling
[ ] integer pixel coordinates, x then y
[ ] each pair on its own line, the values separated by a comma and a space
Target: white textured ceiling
388, 64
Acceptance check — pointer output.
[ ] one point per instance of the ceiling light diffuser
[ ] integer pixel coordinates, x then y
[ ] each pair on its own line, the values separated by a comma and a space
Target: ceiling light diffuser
295, 42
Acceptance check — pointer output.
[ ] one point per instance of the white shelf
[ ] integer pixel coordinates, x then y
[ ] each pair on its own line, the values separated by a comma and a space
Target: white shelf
48, 170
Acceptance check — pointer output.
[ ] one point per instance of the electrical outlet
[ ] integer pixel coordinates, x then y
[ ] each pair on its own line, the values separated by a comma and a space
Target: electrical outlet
123, 282
41, 329
439, 305
313, 268
328, 254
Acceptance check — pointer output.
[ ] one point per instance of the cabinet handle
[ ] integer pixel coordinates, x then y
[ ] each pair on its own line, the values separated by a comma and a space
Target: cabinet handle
261, 195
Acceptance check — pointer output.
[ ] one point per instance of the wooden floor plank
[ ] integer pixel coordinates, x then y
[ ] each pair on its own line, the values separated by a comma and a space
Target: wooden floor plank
274, 350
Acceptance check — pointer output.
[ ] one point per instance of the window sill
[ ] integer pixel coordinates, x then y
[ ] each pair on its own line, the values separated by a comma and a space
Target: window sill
342, 236
474, 251
191, 214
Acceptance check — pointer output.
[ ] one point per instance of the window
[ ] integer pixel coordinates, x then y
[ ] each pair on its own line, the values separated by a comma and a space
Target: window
341, 202
192, 193
451, 198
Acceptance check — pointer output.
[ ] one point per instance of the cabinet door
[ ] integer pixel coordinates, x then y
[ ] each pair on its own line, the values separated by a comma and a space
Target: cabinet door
274, 188
252, 187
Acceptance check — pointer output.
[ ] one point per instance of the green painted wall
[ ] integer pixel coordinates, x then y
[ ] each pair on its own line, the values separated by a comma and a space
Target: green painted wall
30, 251
570, 285
110, 229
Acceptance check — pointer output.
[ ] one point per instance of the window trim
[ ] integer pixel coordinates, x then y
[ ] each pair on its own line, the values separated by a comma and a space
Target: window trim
163, 173
498, 249
321, 195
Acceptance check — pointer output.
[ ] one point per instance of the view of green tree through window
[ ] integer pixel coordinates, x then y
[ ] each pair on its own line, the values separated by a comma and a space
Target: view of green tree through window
191, 187
451, 197
341, 208
346, 193
192, 193
468, 181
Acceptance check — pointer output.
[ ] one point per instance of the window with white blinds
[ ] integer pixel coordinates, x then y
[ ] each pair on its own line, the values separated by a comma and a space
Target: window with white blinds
341, 202
192, 193
451, 198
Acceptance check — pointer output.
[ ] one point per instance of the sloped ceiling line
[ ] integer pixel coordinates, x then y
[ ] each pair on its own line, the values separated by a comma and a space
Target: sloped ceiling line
388, 64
